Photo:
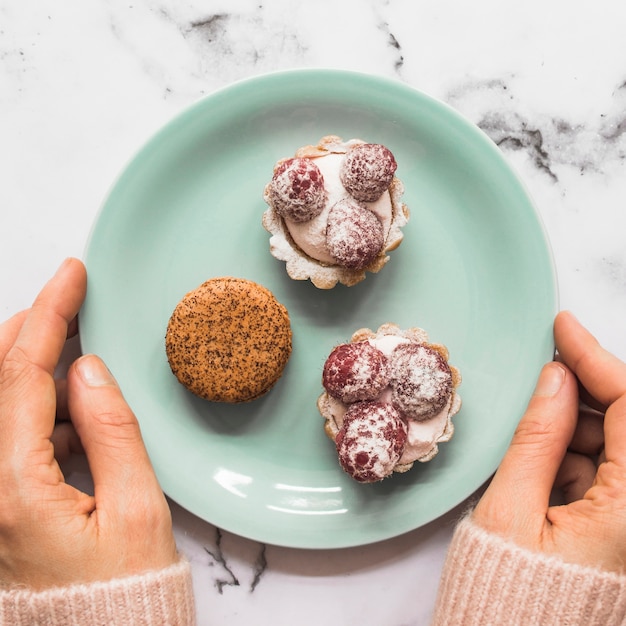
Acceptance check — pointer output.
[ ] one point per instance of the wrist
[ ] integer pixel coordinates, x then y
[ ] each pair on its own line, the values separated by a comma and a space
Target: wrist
154, 598
490, 580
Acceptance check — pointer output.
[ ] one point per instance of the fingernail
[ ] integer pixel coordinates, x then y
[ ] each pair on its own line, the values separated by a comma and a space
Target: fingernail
93, 371
550, 380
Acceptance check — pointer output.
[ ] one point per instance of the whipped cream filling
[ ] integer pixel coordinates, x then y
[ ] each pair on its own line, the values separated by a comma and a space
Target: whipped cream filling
310, 236
423, 436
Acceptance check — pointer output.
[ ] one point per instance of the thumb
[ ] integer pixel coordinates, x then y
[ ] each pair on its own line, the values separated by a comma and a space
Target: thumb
518, 497
109, 433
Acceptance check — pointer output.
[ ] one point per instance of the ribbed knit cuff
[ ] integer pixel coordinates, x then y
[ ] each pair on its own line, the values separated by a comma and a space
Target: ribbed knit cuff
156, 598
488, 581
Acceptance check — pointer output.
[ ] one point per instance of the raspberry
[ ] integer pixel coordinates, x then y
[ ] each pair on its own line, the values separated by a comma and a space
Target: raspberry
371, 441
354, 235
367, 171
355, 371
421, 381
296, 191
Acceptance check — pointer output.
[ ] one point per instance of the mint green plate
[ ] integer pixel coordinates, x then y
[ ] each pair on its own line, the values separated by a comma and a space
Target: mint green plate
475, 270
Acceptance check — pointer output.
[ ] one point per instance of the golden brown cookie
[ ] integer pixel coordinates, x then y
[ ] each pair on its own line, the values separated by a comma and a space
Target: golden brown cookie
228, 340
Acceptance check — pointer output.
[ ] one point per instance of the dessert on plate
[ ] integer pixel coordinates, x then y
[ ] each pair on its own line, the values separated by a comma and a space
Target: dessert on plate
228, 340
388, 401
335, 211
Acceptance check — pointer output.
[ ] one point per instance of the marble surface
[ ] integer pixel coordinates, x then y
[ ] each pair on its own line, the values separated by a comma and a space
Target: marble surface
83, 83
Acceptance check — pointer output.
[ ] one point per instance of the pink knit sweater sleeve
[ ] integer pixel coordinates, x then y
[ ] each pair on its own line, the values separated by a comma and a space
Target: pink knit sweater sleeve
488, 581
156, 598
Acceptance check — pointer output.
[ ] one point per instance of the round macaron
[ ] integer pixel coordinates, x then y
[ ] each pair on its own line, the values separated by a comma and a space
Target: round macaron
228, 340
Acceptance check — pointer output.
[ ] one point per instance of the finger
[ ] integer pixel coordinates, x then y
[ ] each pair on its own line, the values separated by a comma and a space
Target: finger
575, 476
109, 433
45, 329
519, 494
602, 374
63, 413
27, 392
9, 331
65, 441
72, 327
589, 434
615, 432
585, 397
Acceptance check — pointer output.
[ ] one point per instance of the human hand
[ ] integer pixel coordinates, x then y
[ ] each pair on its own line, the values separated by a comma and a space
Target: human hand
52, 534
555, 445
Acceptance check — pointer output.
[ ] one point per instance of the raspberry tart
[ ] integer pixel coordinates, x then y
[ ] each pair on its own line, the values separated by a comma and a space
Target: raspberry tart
388, 401
335, 211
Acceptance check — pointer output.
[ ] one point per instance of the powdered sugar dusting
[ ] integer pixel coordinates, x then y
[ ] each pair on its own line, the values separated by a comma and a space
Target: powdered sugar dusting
296, 191
421, 380
367, 171
356, 371
423, 434
354, 235
371, 441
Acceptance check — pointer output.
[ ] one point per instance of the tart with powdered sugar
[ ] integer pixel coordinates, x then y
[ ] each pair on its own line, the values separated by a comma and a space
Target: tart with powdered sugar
335, 211
389, 398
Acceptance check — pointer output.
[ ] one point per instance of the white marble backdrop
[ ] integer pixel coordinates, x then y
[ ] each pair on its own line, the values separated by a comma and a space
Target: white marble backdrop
83, 83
